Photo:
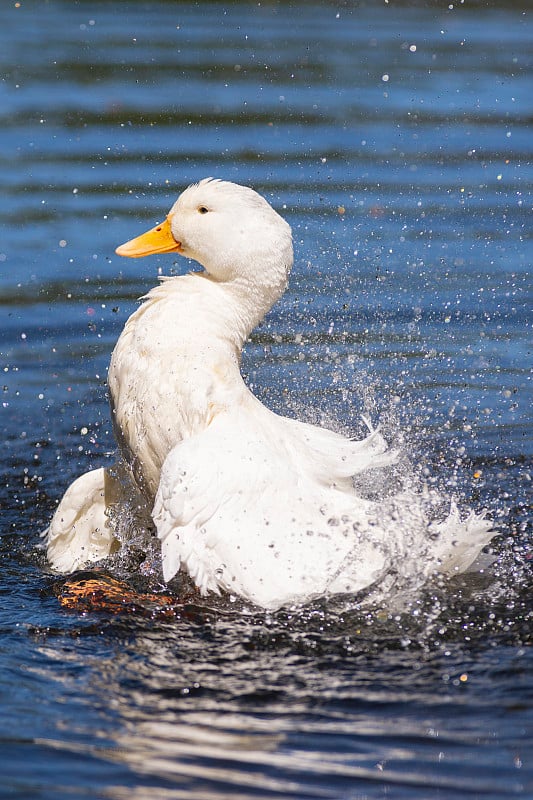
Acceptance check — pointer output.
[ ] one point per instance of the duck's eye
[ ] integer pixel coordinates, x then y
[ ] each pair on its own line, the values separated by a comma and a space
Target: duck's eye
202, 210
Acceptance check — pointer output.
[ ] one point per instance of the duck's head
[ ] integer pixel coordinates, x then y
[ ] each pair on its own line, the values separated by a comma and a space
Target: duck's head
229, 229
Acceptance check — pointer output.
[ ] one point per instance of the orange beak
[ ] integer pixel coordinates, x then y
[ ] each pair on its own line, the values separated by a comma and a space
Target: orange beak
157, 240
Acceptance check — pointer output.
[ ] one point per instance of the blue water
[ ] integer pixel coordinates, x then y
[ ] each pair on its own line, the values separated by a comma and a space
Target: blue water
396, 139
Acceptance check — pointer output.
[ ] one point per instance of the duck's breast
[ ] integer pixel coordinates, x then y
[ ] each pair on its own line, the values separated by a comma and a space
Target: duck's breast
168, 374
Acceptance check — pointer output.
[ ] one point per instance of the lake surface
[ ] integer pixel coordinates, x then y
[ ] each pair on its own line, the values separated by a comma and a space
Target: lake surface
397, 141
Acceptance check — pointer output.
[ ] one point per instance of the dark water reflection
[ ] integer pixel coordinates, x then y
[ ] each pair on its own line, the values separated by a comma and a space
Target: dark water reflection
396, 139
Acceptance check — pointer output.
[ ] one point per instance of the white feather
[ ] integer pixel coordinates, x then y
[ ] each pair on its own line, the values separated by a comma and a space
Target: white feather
80, 531
245, 501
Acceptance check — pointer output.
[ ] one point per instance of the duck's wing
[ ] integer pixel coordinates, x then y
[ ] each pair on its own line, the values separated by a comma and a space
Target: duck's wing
239, 511
80, 531
334, 457
248, 507
457, 544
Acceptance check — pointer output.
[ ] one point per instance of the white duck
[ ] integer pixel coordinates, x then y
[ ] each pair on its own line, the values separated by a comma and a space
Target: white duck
244, 500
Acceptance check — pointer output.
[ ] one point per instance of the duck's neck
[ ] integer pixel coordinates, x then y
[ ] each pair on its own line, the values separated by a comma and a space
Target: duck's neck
250, 277
248, 303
